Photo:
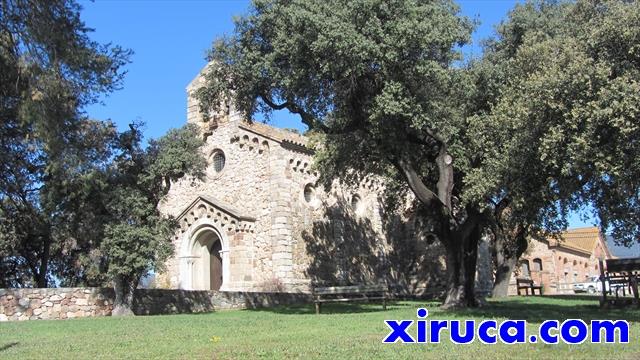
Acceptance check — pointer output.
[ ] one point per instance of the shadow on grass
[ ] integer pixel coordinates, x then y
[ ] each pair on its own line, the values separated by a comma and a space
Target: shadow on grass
594, 298
332, 308
8, 346
557, 307
532, 309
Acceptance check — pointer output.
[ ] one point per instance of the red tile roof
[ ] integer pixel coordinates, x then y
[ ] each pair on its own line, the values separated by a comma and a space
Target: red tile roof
580, 239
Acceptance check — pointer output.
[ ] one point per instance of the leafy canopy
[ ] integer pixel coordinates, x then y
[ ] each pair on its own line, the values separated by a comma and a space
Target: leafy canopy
564, 79
373, 73
137, 238
49, 70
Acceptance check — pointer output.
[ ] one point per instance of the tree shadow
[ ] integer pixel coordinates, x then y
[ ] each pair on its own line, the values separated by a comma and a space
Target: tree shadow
328, 308
165, 301
523, 308
8, 346
346, 247
595, 298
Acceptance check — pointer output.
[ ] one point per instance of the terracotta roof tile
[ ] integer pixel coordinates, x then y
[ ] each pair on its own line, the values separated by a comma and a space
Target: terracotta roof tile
582, 239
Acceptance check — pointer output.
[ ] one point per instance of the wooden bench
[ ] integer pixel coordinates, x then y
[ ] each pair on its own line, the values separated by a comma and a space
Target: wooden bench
620, 275
350, 293
527, 284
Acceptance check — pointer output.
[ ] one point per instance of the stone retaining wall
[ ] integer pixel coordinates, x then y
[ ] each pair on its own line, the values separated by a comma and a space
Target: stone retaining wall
54, 303
66, 303
159, 301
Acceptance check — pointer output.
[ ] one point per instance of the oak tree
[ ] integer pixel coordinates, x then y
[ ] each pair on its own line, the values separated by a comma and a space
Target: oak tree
374, 80
49, 71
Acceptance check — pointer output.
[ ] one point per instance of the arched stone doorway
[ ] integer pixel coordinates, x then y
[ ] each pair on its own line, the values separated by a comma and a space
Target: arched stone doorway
204, 262
204, 259
207, 269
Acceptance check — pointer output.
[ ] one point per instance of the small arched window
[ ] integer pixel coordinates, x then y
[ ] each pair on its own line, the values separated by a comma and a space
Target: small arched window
537, 264
218, 161
309, 193
355, 202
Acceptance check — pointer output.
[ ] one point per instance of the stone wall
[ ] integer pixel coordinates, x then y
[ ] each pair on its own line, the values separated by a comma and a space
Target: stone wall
54, 303
161, 301
67, 303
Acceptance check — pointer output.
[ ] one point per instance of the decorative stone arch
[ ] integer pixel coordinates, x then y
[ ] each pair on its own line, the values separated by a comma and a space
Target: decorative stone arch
207, 228
195, 267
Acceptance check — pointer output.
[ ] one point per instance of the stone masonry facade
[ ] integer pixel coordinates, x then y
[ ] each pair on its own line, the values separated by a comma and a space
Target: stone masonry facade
259, 223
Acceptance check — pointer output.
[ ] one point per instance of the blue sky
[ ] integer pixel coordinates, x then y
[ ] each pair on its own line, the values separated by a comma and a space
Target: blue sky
170, 39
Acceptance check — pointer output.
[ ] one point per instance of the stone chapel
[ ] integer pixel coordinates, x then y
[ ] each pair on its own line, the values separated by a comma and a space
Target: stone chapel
259, 223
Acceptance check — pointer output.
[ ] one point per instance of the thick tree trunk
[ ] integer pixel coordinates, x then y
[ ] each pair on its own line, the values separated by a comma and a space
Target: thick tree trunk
470, 258
40, 275
462, 255
507, 253
124, 288
504, 269
41, 280
456, 296
460, 240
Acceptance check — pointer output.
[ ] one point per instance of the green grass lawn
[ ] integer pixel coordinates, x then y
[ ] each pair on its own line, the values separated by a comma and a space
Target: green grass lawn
342, 331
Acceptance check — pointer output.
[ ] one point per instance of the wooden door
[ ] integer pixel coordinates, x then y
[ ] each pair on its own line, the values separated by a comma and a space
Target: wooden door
215, 275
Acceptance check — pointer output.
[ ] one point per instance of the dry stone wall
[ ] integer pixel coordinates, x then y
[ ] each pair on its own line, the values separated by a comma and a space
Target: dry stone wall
68, 303
54, 303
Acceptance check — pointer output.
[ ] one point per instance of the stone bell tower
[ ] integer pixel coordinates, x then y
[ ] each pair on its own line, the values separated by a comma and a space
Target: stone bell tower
226, 112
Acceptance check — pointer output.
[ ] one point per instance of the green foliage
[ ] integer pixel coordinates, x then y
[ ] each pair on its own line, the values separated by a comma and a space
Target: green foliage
137, 238
374, 82
363, 75
77, 199
49, 154
562, 127
543, 124
173, 155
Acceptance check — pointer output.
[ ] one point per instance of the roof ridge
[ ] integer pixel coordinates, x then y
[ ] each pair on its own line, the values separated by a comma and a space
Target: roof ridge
582, 239
582, 228
282, 134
